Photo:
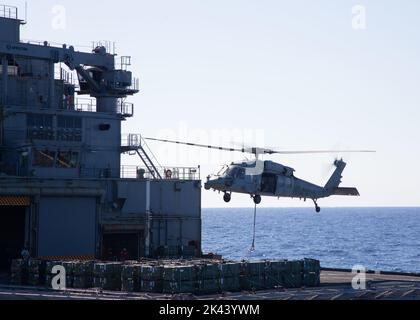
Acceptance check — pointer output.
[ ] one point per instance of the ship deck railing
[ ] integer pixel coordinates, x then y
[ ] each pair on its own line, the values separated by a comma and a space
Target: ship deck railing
85, 105
125, 172
9, 12
167, 173
124, 108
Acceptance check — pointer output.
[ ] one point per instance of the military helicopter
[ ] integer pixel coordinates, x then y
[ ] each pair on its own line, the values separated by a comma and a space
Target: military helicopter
267, 178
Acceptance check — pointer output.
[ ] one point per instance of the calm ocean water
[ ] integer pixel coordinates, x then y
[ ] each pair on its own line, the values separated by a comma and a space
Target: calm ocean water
386, 239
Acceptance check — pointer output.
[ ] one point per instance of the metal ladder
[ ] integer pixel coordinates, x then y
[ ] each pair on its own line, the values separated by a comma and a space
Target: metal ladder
144, 156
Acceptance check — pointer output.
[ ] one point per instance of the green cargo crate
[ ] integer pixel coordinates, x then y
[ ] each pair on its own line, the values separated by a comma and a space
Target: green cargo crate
151, 273
69, 281
107, 269
276, 267
294, 266
36, 266
254, 268
69, 266
230, 284
208, 286
129, 285
252, 283
229, 270
311, 279
131, 271
179, 273
311, 265
293, 280
177, 287
151, 286
111, 284
208, 271
34, 279
83, 268
19, 272
18, 265
274, 280
82, 282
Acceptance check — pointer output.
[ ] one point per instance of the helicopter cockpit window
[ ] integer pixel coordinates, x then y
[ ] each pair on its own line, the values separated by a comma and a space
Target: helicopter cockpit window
222, 172
234, 172
231, 172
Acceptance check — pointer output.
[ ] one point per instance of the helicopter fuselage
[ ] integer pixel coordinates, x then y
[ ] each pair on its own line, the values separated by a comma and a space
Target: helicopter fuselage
268, 183
270, 179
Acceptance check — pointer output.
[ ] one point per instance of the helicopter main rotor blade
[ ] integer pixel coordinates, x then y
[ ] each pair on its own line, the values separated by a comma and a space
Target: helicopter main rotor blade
257, 151
318, 152
244, 150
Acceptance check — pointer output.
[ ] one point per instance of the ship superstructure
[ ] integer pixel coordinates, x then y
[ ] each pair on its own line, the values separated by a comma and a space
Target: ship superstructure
63, 190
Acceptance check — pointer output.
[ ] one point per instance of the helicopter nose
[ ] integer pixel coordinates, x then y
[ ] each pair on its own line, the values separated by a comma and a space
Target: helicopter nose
228, 182
214, 184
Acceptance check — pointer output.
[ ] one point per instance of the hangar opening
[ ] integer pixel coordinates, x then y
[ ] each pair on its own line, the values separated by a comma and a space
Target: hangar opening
123, 246
12, 234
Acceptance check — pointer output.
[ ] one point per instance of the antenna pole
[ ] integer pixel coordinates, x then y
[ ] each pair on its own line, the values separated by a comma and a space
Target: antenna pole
26, 12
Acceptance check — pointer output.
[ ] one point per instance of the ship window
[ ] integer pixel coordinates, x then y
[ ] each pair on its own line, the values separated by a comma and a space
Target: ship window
69, 128
40, 127
11, 70
43, 158
68, 159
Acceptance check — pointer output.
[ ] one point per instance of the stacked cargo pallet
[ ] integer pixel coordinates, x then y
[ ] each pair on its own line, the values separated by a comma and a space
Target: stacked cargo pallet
130, 277
208, 278
311, 273
253, 275
179, 279
83, 274
196, 276
293, 274
151, 278
19, 272
230, 277
107, 275
69, 267
36, 272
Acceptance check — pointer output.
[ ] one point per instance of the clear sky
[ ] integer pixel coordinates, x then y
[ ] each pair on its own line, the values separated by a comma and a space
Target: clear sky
284, 74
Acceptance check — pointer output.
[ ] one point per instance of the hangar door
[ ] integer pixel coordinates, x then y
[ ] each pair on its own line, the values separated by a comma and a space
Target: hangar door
67, 227
12, 228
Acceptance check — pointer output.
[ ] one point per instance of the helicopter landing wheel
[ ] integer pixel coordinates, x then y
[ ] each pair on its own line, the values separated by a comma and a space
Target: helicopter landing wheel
257, 199
227, 197
317, 208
